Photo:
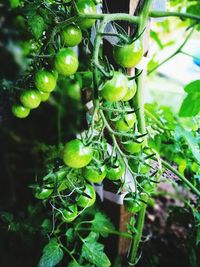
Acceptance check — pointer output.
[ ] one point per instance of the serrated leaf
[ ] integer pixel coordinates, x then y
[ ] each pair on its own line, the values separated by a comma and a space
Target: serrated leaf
52, 254
191, 141
191, 105
92, 251
102, 224
37, 25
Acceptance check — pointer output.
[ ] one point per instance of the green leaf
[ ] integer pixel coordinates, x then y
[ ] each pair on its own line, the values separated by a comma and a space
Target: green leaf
52, 254
191, 105
191, 141
192, 87
102, 224
37, 25
92, 251
14, 3
6, 217
74, 264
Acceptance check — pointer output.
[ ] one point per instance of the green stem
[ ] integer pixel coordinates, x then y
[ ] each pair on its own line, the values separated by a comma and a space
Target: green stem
138, 235
151, 116
179, 49
160, 14
112, 17
112, 232
182, 178
139, 106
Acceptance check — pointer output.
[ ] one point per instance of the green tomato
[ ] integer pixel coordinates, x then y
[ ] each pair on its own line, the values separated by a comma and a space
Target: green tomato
45, 81
131, 204
20, 111
93, 174
69, 214
88, 198
115, 171
86, 7
30, 99
136, 166
116, 88
66, 62
71, 35
132, 88
125, 123
76, 154
72, 89
128, 55
43, 193
44, 96
134, 147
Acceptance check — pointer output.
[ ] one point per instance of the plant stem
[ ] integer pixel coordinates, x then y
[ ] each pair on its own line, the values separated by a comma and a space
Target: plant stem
138, 235
111, 17
151, 116
174, 54
160, 14
188, 183
112, 232
141, 127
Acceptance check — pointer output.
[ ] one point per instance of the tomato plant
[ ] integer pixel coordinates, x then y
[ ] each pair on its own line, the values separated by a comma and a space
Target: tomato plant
93, 138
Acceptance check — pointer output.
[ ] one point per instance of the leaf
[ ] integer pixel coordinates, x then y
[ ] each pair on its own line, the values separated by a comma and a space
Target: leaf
102, 224
191, 141
92, 251
37, 25
52, 254
6, 217
14, 3
192, 87
74, 264
190, 106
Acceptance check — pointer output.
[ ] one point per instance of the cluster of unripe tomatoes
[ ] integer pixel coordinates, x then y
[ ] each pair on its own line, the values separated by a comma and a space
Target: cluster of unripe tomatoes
118, 87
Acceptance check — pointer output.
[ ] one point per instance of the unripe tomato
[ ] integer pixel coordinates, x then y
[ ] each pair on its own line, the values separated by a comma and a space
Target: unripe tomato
116, 88
131, 204
45, 81
134, 147
20, 111
115, 171
86, 7
66, 62
128, 55
93, 174
125, 123
76, 154
72, 89
132, 88
71, 35
88, 198
43, 193
136, 166
69, 214
30, 99
44, 96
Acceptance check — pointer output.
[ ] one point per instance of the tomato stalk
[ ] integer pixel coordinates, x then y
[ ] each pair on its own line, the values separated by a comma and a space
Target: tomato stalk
161, 14
139, 105
178, 50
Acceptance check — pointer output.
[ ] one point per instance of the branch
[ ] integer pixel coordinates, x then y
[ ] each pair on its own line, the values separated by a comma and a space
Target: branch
161, 14
182, 178
178, 50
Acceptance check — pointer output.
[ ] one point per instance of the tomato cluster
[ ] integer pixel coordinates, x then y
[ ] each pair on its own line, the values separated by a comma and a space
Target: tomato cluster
87, 160
65, 64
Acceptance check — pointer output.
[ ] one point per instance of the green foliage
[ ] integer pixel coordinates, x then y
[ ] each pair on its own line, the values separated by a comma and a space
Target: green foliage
52, 254
92, 251
191, 104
